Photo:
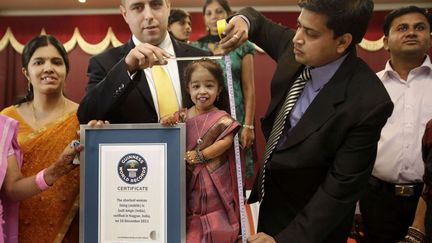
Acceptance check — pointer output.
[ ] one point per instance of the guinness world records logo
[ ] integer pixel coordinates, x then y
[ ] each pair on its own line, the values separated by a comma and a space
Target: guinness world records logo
132, 168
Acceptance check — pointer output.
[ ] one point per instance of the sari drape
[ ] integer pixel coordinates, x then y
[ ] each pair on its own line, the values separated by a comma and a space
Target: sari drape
8, 209
212, 198
47, 216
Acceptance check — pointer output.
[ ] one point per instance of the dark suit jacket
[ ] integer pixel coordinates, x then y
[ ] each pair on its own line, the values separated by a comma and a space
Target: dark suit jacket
315, 178
113, 96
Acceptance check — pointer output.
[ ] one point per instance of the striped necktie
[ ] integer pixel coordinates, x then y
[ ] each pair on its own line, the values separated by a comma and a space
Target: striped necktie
279, 124
166, 96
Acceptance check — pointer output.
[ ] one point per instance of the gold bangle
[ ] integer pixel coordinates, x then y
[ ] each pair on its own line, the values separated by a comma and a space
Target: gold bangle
249, 126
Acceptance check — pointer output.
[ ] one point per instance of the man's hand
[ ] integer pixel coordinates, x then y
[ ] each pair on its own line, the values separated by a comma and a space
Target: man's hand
145, 55
261, 238
235, 34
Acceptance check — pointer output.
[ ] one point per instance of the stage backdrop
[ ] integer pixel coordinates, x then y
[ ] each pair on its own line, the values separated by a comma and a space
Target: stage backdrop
87, 35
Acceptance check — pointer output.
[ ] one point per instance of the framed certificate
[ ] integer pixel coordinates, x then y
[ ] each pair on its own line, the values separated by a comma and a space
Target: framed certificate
133, 184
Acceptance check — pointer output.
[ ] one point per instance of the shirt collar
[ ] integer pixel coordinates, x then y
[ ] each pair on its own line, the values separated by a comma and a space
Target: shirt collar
321, 75
388, 70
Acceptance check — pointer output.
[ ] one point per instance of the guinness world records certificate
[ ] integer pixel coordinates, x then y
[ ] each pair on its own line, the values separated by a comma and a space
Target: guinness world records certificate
133, 184
133, 195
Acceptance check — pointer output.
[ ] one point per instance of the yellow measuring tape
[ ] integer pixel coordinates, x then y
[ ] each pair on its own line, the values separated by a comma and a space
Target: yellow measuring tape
221, 25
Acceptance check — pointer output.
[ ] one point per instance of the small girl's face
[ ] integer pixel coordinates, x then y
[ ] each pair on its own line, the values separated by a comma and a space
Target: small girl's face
203, 89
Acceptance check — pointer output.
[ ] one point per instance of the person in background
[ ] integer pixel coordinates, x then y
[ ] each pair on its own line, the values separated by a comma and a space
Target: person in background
180, 24
212, 212
14, 186
125, 85
389, 204
48, 122
323, 122
242, 75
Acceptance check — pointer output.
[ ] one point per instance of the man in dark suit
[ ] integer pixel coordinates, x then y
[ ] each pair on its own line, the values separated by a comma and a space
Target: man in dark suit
121, 88
324, 156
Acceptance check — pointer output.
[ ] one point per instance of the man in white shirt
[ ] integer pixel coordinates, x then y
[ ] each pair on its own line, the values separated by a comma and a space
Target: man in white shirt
389, 205
121, 87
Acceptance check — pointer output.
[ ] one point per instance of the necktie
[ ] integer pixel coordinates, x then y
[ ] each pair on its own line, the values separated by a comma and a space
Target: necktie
166, 96
279, 123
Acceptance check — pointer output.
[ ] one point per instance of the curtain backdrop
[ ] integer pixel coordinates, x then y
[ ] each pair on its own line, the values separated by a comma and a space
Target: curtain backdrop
88, 34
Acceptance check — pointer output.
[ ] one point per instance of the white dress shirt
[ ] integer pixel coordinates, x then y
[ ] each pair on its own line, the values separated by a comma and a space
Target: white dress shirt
171, 68
399, 158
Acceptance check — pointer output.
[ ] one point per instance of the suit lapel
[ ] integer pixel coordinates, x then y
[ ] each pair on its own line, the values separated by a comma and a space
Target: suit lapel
125, 49
142, 85
181, 52
323, 106
287, 71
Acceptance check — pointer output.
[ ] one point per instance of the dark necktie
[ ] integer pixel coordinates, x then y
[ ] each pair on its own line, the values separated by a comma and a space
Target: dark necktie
279, 124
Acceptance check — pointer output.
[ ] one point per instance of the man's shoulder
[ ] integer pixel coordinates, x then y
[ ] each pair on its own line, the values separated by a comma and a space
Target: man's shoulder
365, 81
108, 58
111, 53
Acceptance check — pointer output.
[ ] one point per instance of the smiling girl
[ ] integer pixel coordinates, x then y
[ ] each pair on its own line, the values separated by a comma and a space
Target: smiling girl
212, 200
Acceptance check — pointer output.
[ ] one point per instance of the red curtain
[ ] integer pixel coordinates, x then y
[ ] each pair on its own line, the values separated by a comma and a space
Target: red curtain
93, 28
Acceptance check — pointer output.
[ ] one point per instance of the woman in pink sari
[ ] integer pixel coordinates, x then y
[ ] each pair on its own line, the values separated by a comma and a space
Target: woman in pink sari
14, 187
212, 199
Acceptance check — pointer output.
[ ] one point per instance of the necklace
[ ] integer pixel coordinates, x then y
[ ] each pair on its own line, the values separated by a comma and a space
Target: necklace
34, 112
200, 140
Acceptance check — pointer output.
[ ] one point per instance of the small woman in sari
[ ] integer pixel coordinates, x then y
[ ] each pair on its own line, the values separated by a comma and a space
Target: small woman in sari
212, 200
14, 187
48, 123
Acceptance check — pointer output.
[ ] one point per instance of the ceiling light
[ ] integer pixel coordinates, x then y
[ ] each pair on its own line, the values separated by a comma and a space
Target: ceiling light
82, 1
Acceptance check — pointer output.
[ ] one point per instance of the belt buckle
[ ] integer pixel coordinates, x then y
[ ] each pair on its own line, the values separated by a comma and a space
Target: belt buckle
404, 190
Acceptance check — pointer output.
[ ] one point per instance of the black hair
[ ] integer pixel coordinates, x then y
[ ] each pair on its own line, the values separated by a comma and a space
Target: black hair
215, 69
29, 50
177, 15
344, 16
402, 11
224, 3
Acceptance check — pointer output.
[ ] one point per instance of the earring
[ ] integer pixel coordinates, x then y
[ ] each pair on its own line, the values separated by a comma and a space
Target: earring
28, 86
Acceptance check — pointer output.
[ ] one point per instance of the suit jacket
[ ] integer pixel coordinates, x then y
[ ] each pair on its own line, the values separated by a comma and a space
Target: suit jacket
113, 96
314, 179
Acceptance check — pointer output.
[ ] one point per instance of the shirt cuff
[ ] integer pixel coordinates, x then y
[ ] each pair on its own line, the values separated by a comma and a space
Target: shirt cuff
244, 18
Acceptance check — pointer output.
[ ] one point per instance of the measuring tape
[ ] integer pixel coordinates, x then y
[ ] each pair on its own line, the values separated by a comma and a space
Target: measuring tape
243, 218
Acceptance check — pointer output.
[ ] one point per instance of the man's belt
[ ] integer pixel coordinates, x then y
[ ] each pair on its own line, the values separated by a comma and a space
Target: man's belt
403, 190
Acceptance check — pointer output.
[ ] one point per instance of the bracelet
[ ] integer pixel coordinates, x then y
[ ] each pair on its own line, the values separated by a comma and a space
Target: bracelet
40, 181
414, 235
200, 156
249, 126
